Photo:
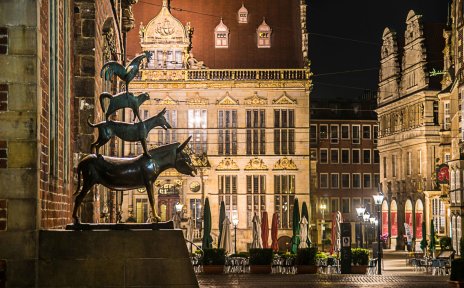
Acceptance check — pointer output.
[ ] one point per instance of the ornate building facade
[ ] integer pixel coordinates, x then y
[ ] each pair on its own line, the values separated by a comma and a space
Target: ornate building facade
409, 144
234, 82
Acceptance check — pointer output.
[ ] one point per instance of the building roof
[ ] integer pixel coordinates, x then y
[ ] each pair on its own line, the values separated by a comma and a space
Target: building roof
344, 109
283, 17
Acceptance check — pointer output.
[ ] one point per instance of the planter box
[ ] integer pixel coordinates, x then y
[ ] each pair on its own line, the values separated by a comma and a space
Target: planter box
213, 269
260, 269
359, 269
306, 269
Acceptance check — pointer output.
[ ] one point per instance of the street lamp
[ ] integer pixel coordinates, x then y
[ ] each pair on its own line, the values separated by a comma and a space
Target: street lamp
366, 216
235, 223
360, 211
378, 199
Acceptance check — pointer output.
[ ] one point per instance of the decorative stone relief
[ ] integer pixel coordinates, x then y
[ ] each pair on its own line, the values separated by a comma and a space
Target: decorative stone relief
227, 164
197, 100
256, 164
227, 100
285, 164
284, 100
109, 45
168, 100
255, 100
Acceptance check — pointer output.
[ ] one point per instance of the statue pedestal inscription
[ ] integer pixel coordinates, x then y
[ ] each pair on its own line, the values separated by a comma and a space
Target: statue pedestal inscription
99, 258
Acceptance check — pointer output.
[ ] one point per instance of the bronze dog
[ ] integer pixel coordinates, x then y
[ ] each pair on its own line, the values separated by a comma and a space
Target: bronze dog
130, 132
130, 173
123, 100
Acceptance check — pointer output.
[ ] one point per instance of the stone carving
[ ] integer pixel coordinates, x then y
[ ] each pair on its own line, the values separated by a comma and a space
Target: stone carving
197, 100
227, 100
130, 132
123, 100
256, 164
255, 100
193, 63
130, 173
227, 164
168, 100
285, 164
284, 100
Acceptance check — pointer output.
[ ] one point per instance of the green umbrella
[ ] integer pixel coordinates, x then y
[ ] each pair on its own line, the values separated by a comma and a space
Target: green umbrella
222, 216
296, 226
207, 239
432, 238
304, 213
423, 243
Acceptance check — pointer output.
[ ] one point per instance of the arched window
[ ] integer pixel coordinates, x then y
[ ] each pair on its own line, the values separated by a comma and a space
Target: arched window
242, 15
264, 35
221, 36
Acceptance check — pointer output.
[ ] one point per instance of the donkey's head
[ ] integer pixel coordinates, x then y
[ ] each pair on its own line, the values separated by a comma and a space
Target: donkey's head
162, 120
183, 161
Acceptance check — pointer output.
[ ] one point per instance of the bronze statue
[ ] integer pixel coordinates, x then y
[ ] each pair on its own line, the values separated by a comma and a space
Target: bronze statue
125, 73
123, 100
130, 132
131, 173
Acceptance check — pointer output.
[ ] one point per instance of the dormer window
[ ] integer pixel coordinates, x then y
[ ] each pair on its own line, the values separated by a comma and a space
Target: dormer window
264, 35
242, 15
221, 36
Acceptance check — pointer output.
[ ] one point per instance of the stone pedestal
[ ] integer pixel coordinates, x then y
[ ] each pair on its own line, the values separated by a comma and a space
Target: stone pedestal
132, 258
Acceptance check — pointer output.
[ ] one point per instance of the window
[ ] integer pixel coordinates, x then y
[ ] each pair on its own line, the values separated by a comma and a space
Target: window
355, 134
170, 135
345, 131
420, 161
323, 131
334, 156
376, 180
334, 180
376, 157
345, 180
323, 157
356, 202
345, 156
393, 165
228, 192
141, 210
313, 134
384, 167
242, 15
356, 158
376, 134
356, 182
227, 129
409, 163
447, 157
53, 91
366, 180
438, 215
334, 204
366, 132
323, 180
446, 115
314, 154
221, 33
366, 156
367, 205
334, 134
264, 35
256, 196
284, 132
197, 119
256, 131
345, 205
195, 212
284, 190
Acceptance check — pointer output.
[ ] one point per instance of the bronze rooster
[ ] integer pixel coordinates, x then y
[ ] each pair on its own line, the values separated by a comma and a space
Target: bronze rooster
125, 73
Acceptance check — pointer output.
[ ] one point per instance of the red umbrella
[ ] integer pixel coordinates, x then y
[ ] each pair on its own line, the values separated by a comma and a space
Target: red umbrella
274, 227
265, 230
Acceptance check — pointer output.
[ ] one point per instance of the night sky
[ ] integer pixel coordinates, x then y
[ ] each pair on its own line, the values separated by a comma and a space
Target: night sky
346, 36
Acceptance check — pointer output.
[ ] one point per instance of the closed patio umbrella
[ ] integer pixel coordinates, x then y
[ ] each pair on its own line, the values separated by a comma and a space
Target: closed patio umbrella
274, 231
296, 226
207, 239
190, 228
222, 216
303, 233
265, 230
432, 238
304, 213
423, 243
225, 242
257, 242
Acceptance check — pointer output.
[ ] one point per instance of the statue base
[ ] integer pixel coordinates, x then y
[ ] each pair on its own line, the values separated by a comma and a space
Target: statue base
120, 226
109, 258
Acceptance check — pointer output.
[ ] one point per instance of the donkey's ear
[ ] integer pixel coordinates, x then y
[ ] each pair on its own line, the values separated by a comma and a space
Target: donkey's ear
182, 146
162, 112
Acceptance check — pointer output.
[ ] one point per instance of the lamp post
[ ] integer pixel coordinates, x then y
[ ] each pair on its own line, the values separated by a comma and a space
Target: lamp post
372, 235
378, 199
323, 206
235, 223
360, 211
366, 216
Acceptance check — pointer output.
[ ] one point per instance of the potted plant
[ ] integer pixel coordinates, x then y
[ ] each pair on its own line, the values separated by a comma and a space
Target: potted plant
261, 260
359, 259
306, 260
213, 260
457, 269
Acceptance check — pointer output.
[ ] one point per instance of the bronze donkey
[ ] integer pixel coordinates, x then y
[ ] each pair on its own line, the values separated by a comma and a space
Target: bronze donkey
123, 100
130, 173
130, 132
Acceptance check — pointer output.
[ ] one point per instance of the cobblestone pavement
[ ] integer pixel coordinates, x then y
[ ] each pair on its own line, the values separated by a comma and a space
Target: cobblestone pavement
320, 280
